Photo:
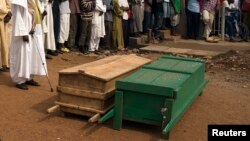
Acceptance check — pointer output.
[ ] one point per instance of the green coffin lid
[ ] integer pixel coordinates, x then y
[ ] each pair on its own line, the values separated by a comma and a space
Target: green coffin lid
162, 77
177, 64
152, 81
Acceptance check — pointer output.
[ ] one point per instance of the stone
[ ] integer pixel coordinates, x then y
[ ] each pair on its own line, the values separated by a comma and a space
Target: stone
107, 52
244, 86
130, 51
101, 56
135, 50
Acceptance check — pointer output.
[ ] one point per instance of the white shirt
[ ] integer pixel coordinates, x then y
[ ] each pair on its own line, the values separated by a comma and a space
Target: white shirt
64, 7
236, 4
124, 3
226, 4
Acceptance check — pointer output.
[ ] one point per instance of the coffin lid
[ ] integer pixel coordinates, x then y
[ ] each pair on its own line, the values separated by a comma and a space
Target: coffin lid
108, 68
162, 77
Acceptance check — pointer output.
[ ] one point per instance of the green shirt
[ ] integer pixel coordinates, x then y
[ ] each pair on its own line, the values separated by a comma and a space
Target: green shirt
176, 5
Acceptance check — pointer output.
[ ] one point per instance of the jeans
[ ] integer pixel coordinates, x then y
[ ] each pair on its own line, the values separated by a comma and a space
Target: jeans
230, 26
147, 21
157, 24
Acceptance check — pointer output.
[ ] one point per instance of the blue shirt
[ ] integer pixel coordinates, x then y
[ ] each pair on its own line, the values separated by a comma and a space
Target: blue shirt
194, 6
108, 13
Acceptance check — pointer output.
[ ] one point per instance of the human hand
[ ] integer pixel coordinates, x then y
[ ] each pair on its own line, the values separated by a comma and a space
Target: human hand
32, 31
9, 14
7, 19
101, 13
26, 38
44, 14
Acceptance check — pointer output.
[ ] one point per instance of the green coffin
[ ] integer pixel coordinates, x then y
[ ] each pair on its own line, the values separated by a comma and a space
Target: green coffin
158, 93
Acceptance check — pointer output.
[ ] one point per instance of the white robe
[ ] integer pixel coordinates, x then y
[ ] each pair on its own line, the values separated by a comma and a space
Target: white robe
47, 24
98, 27
38, 53
50, 37
24, 61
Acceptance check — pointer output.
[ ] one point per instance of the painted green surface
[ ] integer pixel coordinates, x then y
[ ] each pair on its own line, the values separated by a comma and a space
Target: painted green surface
107, 116
152, 81
159, 93
118, 110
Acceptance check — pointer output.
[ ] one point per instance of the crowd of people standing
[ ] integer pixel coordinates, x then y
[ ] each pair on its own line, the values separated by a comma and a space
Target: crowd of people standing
45, 28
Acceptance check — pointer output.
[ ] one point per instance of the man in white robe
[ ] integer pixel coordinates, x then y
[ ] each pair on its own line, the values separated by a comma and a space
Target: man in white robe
45, 9
98, 26
25, 61
5, 16
50, 43
38, 43
64, 25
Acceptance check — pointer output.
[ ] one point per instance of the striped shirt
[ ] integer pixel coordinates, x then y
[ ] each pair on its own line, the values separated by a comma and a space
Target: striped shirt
87, 8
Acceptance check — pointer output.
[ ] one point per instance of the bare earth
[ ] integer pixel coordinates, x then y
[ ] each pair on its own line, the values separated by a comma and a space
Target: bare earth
23, 114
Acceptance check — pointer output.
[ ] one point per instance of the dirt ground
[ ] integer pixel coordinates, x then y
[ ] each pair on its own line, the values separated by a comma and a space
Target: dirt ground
23, 114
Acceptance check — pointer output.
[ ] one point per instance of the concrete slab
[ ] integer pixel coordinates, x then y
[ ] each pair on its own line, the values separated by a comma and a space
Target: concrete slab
194, 52
155, 48
135, 40
164, 34
173, 38
203, 53
178, 50
144, 39
220, 43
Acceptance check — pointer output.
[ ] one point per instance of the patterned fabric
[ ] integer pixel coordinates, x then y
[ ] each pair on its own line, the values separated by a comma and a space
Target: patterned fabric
87, 8
210, 5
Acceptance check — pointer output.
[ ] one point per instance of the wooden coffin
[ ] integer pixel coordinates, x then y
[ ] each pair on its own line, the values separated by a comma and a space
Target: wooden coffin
89, 88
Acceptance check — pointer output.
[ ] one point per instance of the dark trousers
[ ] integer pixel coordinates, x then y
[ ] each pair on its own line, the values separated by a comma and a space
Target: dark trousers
230, 27
85, 34
74, 19
147, 21
246, 18
125, 26
157, 24
56, 18
107, 40
193, 24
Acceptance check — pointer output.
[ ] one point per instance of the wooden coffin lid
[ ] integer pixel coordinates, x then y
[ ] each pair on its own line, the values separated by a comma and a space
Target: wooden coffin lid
109, 68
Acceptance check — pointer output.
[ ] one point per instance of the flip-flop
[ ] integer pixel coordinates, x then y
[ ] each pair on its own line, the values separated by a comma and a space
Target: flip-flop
212, 40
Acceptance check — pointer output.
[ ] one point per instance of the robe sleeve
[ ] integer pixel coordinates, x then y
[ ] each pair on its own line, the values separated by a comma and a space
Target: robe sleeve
100, 6
3, 11
117, 9
8, 5
19, 26
40, 5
